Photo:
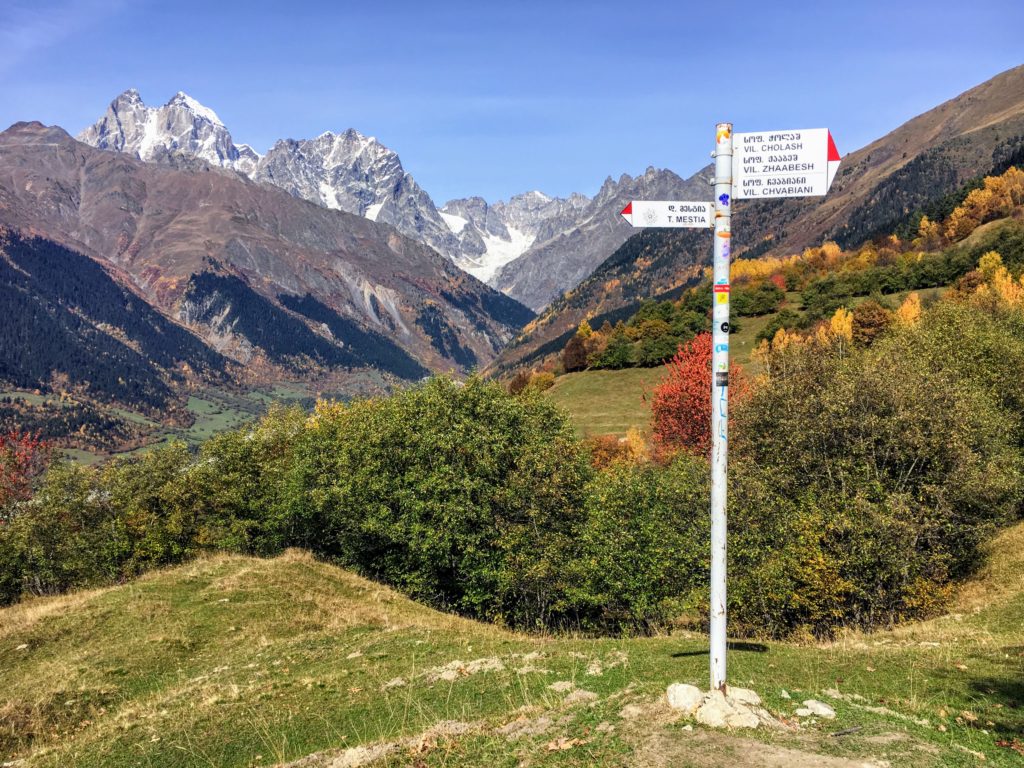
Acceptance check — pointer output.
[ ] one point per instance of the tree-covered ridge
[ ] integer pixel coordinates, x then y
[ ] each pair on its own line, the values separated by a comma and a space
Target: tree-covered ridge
825, 278
68, 324
922, 168
71, 423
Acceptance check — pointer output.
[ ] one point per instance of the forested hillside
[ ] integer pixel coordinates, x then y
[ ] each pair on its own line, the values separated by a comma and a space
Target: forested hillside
799, 292
69, 325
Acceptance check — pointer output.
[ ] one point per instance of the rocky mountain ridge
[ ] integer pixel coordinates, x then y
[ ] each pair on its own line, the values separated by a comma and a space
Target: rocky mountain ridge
345, 171
532, 247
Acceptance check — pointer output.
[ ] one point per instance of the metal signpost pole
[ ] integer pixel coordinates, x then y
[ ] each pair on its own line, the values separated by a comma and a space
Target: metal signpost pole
768, 164
720, 396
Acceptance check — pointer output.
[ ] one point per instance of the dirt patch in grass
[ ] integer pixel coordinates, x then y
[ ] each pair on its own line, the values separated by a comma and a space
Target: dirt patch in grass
706, 749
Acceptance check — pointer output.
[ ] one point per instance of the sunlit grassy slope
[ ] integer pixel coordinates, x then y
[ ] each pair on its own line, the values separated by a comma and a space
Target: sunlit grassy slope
607, 402
233, 661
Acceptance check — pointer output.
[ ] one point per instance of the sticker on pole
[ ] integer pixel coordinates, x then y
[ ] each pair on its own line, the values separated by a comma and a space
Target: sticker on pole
800, 163
669, 213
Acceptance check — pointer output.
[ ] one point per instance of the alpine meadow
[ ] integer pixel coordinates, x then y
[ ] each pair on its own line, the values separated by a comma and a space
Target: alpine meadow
692, 465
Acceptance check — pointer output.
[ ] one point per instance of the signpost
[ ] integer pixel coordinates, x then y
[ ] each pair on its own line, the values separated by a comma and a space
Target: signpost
669, 213
748, 166
798, 163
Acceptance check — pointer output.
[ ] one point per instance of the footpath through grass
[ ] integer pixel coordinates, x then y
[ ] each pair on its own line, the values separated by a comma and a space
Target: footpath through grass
235, 661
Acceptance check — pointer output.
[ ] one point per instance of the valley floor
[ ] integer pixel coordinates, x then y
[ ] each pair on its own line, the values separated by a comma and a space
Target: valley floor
234, 661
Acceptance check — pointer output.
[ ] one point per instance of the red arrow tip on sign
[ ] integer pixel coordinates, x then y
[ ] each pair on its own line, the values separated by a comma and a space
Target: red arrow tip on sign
833, 153
628, 210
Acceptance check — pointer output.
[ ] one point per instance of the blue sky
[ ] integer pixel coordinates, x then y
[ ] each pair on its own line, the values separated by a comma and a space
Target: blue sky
495, 98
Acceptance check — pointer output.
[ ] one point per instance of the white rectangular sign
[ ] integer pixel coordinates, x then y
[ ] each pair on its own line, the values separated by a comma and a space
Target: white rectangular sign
669, 213
796, 163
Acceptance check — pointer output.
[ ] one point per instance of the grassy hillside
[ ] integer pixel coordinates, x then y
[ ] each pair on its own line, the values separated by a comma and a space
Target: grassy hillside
607, 402
234, 661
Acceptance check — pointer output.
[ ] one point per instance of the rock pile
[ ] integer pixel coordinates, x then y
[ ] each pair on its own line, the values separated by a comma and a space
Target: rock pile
736, 708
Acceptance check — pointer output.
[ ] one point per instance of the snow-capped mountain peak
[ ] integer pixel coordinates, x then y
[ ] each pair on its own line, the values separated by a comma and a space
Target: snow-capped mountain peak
355, 173
184, 100
491, 236
182, 125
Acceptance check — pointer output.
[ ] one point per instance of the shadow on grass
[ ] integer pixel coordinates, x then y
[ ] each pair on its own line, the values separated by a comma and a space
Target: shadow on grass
734, 646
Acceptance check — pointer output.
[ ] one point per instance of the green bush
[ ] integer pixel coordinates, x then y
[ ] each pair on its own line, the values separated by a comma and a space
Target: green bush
900, 460
12, 567
66, 537
643, 548
460, 495
238, 493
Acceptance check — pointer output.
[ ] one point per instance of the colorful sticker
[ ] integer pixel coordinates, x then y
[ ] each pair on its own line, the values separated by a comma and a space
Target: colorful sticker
721, 347
723, 133
724, 199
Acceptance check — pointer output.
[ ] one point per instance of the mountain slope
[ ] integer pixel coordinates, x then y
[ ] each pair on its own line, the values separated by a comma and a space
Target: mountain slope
162, 226
70, 325
878, 188
561, 257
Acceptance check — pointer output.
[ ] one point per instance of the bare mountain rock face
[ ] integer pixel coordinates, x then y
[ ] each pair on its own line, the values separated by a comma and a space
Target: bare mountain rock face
259, 274
355, 173
532, 247
563, 256
343, 171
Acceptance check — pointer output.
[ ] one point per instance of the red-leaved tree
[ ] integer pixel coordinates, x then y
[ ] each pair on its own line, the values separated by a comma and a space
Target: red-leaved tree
22, 457
681, 403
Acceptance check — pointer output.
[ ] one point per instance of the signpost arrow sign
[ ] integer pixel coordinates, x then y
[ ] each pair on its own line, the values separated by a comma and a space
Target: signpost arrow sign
798, 163
669, 213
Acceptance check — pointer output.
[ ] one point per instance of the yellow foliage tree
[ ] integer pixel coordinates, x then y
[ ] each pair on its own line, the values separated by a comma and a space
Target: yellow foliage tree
990, 264
929, 234
909, 311
841, 324
831, 252
774, 354
998, 197
999, 288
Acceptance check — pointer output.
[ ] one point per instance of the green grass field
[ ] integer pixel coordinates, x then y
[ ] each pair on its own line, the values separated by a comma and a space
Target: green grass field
607, 402
234, 661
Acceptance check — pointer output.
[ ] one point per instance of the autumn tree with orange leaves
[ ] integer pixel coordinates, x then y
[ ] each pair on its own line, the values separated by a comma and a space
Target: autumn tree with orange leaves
681, 403
22, 457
